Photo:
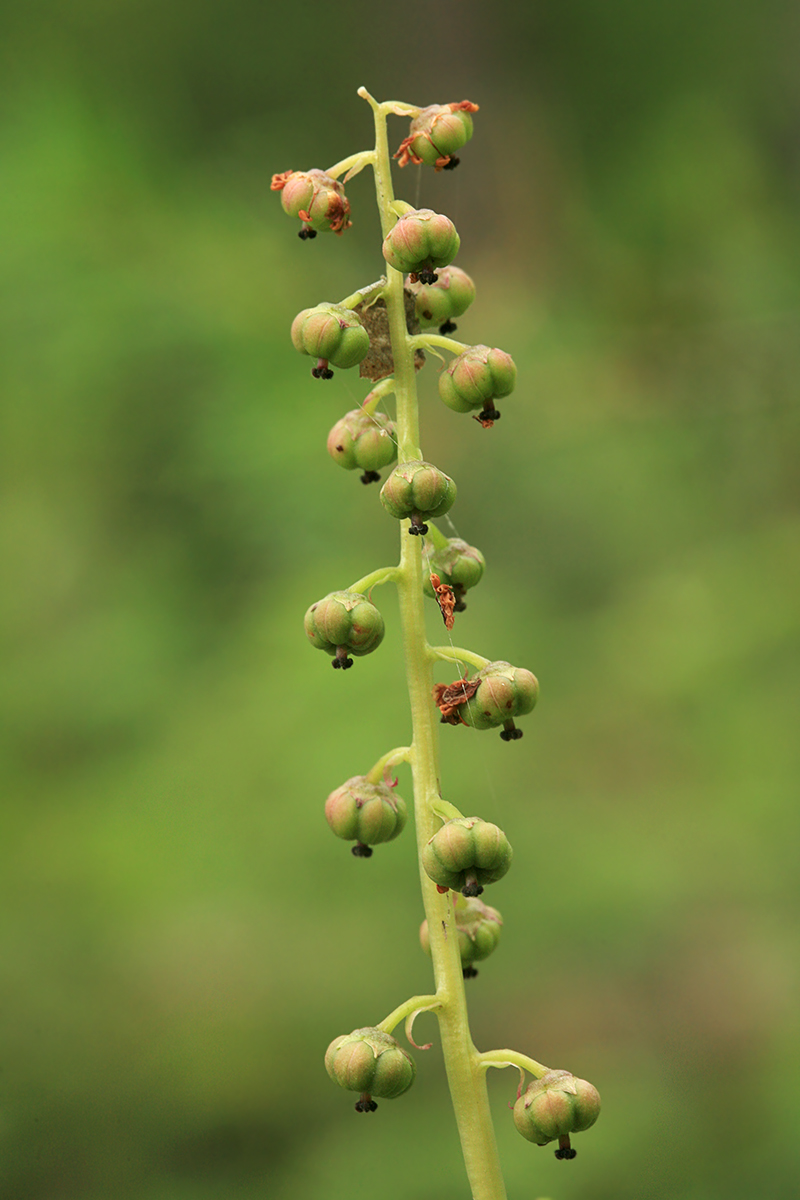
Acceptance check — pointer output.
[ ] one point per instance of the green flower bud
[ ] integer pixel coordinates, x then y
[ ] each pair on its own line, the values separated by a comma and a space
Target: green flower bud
503, 692
317, 199
363, 441
458, 565
475, 378
478, 928
330, 333
466, 853
367, 813
450, 296
436, 133
555, 1106
417, 490
371, 1062
344, 622
420, 241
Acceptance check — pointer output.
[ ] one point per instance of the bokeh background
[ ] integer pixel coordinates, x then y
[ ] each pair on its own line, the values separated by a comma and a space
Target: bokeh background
181, 935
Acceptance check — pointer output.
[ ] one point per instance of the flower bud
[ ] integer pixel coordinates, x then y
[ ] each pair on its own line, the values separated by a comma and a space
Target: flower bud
317, 199
436, 133
330, 333
371, 1062
503, 692
416, 490
477, 377
364, 812
450, 296
478, 928
420, 241
466, 853
344, 622
458, 565
555, 1106
363, 440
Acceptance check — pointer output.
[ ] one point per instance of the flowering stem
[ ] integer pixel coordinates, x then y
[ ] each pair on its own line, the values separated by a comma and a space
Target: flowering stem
462, 1061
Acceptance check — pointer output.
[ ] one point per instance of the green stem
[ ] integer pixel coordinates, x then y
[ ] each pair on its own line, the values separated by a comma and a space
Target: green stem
399, 755
381, 390
353, 163
466, 1079
375, 579
512, 1058
457, 654
446, 811
414, 1005
425, 341
372, 292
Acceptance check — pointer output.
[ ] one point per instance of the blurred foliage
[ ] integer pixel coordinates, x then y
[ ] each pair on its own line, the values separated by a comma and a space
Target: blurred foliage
181, 936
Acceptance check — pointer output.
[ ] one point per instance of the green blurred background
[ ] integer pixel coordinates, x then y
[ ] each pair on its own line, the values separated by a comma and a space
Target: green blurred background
181, 935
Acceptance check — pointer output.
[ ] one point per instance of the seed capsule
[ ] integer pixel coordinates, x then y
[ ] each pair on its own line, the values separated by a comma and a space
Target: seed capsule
503, 693
450, 296
420, 241
457, 564
330, 333
371, 1062
436, 133
366, 813
417, 490
476, 378
317, 199
555, 1106
363, 441
465, 854
342, 623
478, 928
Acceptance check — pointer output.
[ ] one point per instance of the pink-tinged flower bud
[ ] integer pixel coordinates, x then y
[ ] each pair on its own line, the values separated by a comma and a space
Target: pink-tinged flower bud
363, 441
344, 623
458, 565
420, 241
365, 813
436, 133
417, 490
475, 378
478, 926
450, 296
317, 199
330, 333
371, 1062
555, 1106
465, 854
503, 693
